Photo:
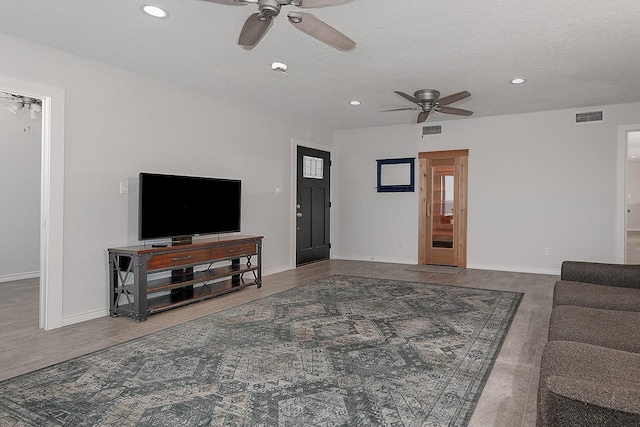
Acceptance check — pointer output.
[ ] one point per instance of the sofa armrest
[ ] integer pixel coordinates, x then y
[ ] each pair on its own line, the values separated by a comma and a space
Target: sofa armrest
625, 276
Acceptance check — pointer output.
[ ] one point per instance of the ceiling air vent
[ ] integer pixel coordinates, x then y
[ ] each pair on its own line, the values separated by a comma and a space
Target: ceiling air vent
592, 116
431, 130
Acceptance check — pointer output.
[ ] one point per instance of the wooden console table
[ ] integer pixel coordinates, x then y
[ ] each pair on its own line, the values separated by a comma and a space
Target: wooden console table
137, 290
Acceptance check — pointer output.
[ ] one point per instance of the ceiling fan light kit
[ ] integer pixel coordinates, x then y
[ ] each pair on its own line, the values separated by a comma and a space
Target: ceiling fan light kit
257, 24
428, 100
15, 107
18, 103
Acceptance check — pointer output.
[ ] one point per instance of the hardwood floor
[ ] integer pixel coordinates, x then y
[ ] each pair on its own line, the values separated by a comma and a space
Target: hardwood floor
509, 398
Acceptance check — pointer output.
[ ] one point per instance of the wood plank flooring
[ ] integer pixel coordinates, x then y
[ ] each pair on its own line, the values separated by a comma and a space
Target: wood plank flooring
509, 398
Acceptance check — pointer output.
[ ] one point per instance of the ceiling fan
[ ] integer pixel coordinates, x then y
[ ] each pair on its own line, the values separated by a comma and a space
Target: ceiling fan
257, 25
429, 100
19, 103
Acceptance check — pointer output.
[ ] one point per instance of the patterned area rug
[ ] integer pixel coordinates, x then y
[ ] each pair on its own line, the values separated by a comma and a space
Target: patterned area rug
441, 269
338, 351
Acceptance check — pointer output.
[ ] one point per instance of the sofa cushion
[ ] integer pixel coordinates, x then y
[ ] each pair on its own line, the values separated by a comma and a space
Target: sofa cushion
596, 296
608, 328
576, 403
585, 385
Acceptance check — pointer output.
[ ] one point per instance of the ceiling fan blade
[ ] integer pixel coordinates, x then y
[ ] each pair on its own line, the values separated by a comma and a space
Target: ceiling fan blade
423, 116
253, 30
456, 111
232, 2
309, 24
320, 3
453, 98
407, 97
400, 109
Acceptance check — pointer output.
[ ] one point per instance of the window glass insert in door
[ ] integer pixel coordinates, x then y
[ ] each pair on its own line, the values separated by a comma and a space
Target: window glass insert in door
442, 206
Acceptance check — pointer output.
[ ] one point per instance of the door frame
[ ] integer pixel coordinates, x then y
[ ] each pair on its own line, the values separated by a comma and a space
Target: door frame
295, 142
51, 196
460, 213
621, 197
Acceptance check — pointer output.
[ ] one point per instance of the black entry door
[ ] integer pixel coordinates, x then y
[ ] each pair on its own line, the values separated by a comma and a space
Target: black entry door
313, 203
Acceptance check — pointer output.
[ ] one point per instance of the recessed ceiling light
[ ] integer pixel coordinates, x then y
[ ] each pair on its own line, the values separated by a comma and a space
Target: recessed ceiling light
518, 81
354, 102
633, 157
154, 11
279, 66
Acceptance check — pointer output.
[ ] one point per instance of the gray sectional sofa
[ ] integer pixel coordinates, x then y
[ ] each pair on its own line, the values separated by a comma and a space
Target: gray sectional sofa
590, 372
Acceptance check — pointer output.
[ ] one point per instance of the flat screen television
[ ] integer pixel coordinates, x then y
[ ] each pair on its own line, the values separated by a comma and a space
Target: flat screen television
183, 206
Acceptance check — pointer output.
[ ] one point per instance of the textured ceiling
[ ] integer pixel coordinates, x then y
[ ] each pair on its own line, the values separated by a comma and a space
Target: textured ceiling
574, 54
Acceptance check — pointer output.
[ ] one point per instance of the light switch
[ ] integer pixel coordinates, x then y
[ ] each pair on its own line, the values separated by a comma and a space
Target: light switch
124, 187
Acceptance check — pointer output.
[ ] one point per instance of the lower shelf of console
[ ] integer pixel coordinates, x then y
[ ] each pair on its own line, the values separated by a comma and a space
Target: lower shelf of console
203, 276
156, 304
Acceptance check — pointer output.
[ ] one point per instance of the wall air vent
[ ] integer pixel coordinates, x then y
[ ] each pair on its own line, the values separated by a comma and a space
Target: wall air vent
592, 116
431, 130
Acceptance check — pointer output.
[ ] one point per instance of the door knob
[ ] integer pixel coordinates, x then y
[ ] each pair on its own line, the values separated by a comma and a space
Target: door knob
299, 214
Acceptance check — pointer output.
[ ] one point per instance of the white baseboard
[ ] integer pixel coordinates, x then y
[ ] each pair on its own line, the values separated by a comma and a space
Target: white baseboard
509, 268
19, 276
515, 269
277, 270
374, 259
89, 315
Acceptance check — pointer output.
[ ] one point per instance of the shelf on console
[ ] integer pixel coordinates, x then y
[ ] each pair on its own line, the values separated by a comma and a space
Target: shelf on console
200, 293
167, 283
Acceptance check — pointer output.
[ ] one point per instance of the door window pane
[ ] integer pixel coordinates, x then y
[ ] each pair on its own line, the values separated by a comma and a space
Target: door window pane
442, 206
313, 167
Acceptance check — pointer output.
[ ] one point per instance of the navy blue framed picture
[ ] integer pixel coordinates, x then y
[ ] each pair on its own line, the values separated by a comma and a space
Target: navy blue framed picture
396, 175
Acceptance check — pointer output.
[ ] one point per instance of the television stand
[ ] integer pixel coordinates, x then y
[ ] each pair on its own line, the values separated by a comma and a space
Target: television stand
148, 279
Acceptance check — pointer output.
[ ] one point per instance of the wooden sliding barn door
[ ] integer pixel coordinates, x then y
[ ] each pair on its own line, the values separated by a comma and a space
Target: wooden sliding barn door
442, 224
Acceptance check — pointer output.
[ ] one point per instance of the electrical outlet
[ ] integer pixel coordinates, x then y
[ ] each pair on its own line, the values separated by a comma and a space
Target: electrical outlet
124, 187
546, 251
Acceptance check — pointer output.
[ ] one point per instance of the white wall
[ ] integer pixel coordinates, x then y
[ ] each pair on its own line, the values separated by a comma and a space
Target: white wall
119, 123
371, 225
633, 191
535, 181
19, 195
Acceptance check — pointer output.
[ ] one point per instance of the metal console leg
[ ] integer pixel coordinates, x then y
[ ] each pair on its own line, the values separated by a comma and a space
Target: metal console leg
259, 278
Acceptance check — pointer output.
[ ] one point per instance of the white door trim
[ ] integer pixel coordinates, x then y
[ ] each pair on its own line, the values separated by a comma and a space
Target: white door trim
621, 197
51, 195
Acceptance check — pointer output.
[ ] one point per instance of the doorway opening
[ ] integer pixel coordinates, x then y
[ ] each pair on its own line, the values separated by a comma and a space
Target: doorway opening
51, 195
632, 198
20, 152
